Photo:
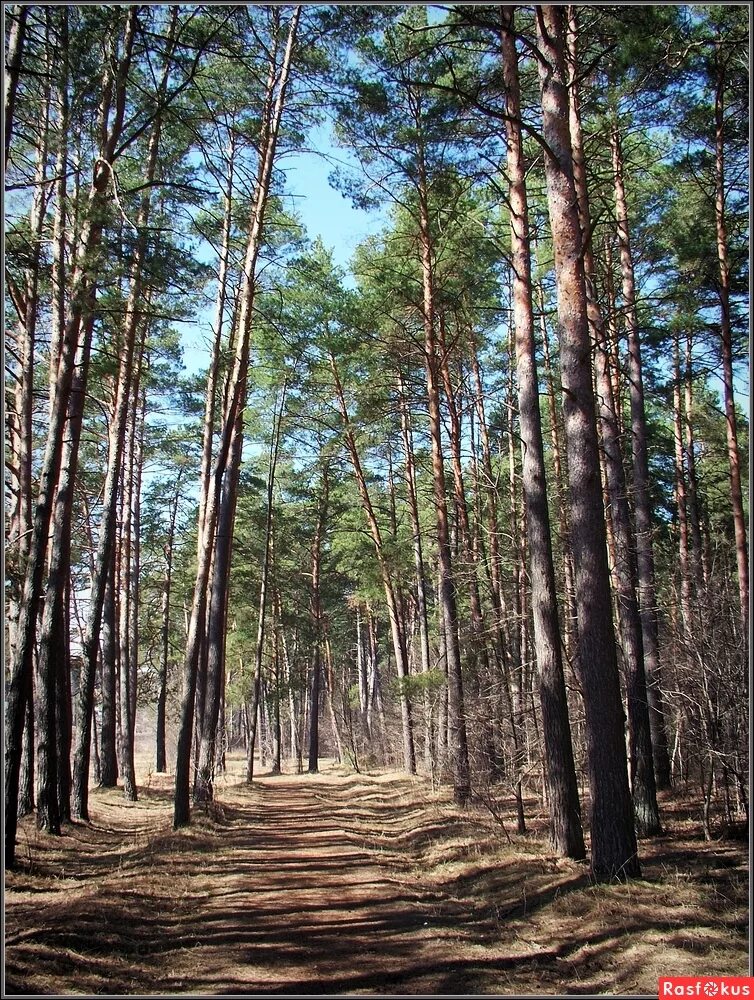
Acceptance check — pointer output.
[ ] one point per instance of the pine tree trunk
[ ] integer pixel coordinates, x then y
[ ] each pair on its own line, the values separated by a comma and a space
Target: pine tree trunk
44, 756
121, 423
734, 459
139, 414
161, 764
26, 780
391, 599
613, 840
233, 412
64, 715
641, 765
447, 591
20, 439
109, 756
362, 674
54, 640
329, 690
315, 610
128, 589
681, 503
514, 683
419, 573
216, 630
700, 568
266, 569
561, 492
13, 58
314, 699
277, 734
80, 301
642, 504
562, 792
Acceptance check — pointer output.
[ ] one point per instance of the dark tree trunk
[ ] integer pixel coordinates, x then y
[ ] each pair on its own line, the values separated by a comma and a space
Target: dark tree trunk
613, 839
13, 58
315, 611
81, 300
642, 505
313, 766
641, 766
563, 799
109, 757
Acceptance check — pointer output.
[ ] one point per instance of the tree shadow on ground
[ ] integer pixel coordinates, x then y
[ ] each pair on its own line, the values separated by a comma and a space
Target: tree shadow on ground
302, 886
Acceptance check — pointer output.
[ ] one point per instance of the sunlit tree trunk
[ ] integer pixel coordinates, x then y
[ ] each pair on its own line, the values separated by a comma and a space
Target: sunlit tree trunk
13, 58
613, 839
563, 800
391, 597
726, 340
277, 84
618, 517
80, 301
108, 759
642, 505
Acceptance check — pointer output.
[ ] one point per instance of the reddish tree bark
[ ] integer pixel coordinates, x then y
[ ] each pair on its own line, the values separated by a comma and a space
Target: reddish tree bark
613, 839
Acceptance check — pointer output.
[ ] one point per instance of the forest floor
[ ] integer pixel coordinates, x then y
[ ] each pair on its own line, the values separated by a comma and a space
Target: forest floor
362, 884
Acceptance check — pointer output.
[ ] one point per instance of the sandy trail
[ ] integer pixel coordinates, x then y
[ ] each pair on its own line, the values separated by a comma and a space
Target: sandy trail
285, 892
325, 884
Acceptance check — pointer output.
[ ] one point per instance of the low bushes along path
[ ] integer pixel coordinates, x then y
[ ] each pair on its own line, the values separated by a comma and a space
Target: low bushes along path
337, 883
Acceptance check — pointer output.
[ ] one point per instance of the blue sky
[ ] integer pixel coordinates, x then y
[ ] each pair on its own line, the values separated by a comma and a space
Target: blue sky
323, 210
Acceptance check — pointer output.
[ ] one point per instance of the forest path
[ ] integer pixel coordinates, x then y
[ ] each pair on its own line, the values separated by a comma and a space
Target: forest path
308, 901
329, 883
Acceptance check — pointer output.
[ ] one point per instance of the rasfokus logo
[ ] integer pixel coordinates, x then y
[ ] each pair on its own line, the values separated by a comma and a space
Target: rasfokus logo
714, 987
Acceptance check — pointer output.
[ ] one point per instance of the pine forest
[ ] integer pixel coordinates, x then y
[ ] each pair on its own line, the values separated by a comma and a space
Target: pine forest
376, 498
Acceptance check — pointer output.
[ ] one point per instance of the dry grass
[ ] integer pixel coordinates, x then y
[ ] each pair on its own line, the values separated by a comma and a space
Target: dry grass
342, 883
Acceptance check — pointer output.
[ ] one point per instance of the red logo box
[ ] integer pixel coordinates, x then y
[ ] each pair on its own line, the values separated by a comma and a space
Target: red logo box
706, 987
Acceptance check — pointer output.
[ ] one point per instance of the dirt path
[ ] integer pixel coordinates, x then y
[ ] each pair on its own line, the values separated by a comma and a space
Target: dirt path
321, 884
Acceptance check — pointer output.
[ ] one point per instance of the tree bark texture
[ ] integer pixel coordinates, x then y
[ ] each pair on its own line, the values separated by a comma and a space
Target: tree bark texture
80, 301
563, 800
641, 765
613, 839
391, 599
726, 344
640, 466
13, 59
234, 405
